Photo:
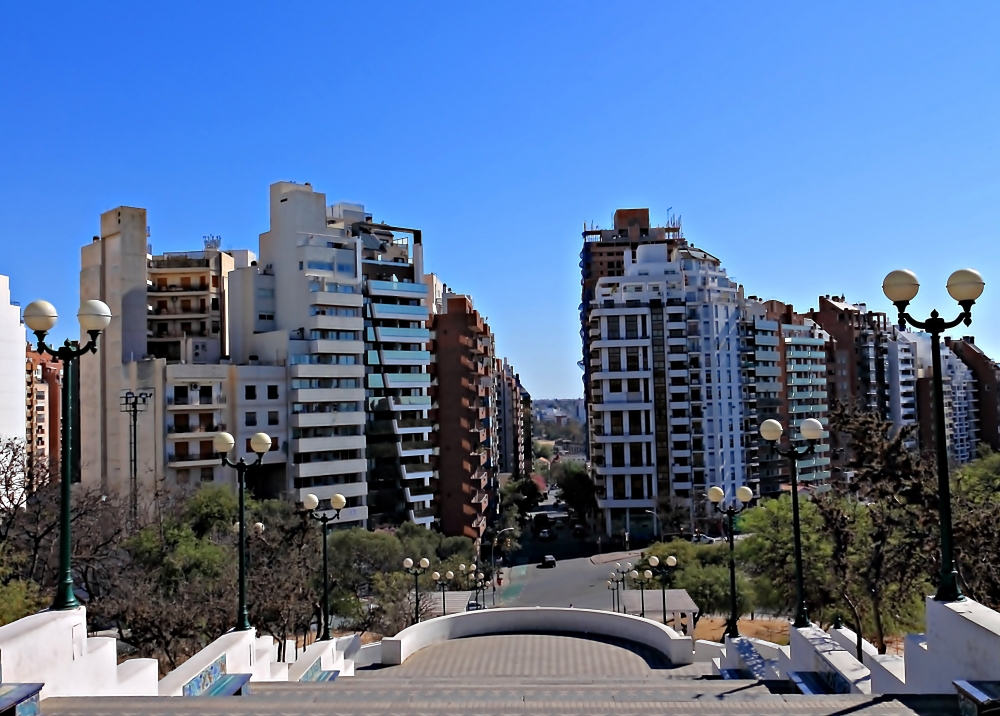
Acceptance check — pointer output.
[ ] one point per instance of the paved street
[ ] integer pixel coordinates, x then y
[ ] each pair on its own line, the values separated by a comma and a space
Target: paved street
573, 581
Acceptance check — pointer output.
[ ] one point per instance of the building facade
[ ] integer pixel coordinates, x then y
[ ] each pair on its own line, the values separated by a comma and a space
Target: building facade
42, 420
466, 415
986, 372
666, 409
12, 340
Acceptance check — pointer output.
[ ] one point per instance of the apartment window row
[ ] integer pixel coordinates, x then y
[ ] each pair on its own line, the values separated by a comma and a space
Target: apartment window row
346, 311
317, 286
328, 480
327, 431
326, 456
328, 266
634, 487
250, 392
205, 474
250, 418
323, 359
320, 334
325, 383
336, 407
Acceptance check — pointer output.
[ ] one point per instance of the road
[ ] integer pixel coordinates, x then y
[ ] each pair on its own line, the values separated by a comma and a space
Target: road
573, 581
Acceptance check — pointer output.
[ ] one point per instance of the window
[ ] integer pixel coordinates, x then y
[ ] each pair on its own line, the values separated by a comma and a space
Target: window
617, 422
635, 454
615, 386
207, 474
638, 483
614, 359
635, 422
250, 420
40, 394
183, 476
272, 392
617, 455
215, 300
631, 327
618, 486
250, 392
633, 385
272, 417
632, 358
614, 328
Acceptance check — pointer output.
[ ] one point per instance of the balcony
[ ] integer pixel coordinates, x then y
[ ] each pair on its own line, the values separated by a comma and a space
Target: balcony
195, 402
399, 289
178, 432
200, 459
176, 288
395, 312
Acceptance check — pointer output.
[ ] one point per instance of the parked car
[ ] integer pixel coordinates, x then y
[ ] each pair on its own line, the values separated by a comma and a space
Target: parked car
703, 539
578, 531
474, 607
545, 534
548, 561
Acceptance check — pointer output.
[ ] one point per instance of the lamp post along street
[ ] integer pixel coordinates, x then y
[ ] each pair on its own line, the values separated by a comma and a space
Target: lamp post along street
337, 503
260, 443
965, 286
416, 570
717, 497
133, 404
665, 572
812, 430
613, 588
442, 581
642, 580
40, 317
493, 562
659, 526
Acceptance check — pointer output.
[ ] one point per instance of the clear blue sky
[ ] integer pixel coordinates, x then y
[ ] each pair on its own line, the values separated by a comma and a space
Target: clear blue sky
812, 146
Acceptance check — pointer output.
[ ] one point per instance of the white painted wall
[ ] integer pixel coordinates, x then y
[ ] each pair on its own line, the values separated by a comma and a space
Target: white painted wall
53, 648
12, 357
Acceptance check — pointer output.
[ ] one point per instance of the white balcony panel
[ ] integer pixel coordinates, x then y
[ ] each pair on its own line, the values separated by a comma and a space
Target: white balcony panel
334, 442
331, 467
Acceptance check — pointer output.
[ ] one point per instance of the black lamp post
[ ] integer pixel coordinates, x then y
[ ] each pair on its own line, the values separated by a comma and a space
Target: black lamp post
442, 580
310, 502
965, 286
642, 579
812, 430
716, 496
260, 443
622, 571
132, 404
618, 580
40, 317
613, 586
665, 573
416, 570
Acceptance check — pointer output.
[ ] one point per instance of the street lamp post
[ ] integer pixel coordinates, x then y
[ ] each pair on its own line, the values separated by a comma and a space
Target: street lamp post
623, 570
310, 502
493, 562
40, 317
812, 430
617, 579
260, 443
659, 526
613, 586
666, 573
642, 580
133, 404
965, 286
416, 571
442, 581
732, 508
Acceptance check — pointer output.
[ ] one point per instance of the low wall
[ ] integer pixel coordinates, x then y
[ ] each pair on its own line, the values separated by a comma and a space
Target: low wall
812, 649
368, 655
333, 655
53, 648
962, 641
678, 649
232, 653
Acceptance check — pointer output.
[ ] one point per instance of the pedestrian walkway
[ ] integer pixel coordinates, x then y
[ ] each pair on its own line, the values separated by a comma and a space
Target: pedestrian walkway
611, 557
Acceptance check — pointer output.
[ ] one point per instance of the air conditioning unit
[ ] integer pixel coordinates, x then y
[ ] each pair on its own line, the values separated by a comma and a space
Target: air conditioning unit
193, 386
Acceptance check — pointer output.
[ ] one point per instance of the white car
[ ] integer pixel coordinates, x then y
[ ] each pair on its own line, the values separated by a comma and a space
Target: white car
703, 539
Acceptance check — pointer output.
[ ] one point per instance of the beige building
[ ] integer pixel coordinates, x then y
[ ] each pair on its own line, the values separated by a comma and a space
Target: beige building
42, 385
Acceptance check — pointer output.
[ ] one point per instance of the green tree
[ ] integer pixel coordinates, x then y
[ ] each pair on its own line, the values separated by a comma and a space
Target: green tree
576, 488
767, 554
539, 449
975, 506
708, 586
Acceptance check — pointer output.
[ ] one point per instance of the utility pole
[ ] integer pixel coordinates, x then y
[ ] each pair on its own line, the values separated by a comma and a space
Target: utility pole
133, 404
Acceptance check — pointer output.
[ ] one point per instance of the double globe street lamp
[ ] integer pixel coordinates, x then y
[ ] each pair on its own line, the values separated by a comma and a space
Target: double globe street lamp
224, 443
965, 286
664, 572
642, 580
40, 317
442, 580
416, 570
310, 502
812, 430
731, 508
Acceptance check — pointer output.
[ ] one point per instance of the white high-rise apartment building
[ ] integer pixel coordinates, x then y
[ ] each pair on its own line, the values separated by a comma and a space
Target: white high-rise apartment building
902, 379
12, 356
296, 332
666, 405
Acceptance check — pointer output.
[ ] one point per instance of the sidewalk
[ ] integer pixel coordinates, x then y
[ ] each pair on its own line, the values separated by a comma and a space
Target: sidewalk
610, 557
